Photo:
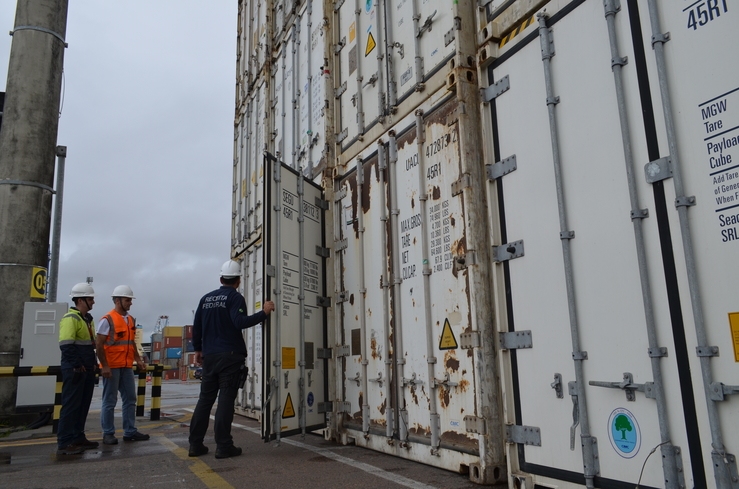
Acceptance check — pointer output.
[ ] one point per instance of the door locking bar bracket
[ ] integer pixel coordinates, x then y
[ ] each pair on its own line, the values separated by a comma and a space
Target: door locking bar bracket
719, 391
628, 386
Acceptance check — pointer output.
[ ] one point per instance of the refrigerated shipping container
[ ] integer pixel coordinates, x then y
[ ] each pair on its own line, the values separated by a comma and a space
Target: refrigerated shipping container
528, 215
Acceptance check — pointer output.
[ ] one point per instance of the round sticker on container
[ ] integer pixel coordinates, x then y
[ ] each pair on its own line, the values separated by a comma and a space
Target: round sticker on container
624, 433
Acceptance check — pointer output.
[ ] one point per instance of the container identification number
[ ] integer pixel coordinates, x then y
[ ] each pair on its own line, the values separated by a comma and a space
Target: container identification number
702, 12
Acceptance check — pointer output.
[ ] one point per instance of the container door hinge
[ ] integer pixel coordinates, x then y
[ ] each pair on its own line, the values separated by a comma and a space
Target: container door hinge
449, 36
271, 270
342, 296
323, 301
321, 204
525, 435
502, 167
508, 251
342, 136
323, 252
465, 181
497, 88
469, 340
325, 353
340, 91
658, 170
515, 340
343, 351
341, 245
340, 194
461, 262
339, 46
473, 424
338, 4
328, 407
719, 391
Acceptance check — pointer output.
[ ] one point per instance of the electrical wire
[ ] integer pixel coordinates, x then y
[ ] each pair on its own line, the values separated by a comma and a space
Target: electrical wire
645, 462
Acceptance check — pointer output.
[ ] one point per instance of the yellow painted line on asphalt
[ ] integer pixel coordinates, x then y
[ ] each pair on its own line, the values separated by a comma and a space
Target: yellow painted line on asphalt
197, 466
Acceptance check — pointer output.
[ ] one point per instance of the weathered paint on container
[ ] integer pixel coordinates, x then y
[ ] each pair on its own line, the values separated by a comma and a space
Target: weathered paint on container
573, 296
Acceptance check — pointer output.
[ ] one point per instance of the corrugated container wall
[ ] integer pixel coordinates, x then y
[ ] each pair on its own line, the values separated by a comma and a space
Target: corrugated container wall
529, 214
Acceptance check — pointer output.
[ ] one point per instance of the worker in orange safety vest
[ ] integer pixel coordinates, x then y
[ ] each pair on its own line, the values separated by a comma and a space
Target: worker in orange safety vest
117, 351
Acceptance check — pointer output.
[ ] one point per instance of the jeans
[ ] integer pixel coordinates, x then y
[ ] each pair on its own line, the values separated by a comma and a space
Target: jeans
121, 380
221, 373
77, 389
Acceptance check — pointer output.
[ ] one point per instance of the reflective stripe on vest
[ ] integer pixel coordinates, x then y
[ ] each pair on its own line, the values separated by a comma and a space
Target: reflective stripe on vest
120, 345
78, 340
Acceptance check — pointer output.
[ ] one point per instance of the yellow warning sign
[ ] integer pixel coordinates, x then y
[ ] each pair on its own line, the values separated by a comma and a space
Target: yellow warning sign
289, 411
371, 44
38, 283
447, 341
352, 32
288, 357
734, 324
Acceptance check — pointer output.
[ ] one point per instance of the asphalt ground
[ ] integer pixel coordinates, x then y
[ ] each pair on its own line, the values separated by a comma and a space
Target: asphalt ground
28, 458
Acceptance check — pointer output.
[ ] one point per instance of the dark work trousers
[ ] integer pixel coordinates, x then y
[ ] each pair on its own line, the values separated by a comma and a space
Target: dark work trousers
220, 378
77, 389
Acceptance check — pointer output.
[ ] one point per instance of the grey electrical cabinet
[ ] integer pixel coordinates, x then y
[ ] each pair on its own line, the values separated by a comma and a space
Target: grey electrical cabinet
39, 347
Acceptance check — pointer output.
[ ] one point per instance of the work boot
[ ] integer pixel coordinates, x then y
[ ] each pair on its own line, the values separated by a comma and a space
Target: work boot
86, 444
197, 449
71, 449
231, 451
110, 440
136, 437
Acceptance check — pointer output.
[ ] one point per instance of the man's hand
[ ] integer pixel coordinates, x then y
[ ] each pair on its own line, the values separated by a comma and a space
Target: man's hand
199, 358
141, 364
268, 307
105, 372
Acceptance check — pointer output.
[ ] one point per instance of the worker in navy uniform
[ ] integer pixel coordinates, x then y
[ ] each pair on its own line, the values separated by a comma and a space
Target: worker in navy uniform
219, 346
77, 343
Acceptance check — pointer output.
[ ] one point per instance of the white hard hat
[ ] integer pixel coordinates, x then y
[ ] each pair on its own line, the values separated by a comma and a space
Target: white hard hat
82, 290
230, 269
123, 291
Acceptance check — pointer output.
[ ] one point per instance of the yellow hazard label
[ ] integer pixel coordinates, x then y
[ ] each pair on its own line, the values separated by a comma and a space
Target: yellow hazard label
734, 324
288, 357
352, 32
447, 341
289, 411
371, 44
38, 283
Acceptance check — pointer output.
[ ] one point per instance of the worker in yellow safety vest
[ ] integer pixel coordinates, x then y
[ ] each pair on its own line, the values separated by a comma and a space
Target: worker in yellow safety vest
117, 351
77, 343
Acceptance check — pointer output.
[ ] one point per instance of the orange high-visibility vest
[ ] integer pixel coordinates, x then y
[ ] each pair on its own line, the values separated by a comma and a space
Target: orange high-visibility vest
121, 342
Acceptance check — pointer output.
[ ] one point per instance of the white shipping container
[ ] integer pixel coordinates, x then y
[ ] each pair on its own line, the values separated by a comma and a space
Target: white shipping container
386, 52
407, 374
616, 242
571, 320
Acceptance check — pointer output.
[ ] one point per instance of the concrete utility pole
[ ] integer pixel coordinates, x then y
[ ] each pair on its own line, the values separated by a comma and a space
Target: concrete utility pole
27, 151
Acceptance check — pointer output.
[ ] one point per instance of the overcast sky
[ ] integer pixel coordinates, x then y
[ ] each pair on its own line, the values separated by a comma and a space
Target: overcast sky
147, 117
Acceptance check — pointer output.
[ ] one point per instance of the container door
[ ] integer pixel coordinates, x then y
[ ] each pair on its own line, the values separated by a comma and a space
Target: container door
702, 86
294, 378
311, 88
405, 306
249, 400
599, 383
